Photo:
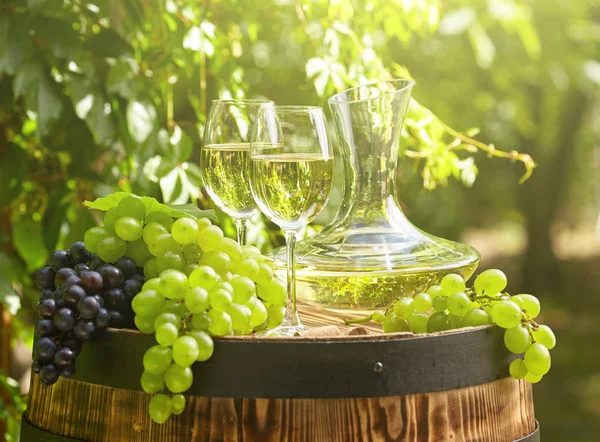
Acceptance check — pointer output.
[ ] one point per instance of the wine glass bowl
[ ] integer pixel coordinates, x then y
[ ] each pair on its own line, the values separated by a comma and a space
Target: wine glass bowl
291, 178
224, 158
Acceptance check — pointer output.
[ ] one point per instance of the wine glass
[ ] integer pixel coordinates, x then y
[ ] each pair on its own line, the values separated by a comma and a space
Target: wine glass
291, 177
224, 158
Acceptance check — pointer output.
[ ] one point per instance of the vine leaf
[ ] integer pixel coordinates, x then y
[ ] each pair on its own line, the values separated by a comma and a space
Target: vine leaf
152, 205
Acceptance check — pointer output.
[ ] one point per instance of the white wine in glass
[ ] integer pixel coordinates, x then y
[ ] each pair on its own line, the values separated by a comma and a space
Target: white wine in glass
224, 158
291, 178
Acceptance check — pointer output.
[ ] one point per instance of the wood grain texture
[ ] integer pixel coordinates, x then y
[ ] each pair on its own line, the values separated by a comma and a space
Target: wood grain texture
500, 411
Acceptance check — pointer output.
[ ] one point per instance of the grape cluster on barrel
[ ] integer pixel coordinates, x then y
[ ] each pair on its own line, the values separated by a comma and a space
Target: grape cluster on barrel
199, 284
452, 305
80, 296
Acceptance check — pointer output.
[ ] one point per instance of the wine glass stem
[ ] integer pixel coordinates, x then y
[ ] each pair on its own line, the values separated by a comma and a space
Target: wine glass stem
291, 312
242, 226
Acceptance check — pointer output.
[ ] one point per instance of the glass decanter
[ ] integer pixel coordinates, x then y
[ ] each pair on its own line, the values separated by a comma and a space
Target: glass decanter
370, 253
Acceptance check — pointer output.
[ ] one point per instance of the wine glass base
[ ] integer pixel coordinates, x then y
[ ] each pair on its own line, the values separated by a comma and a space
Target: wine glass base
282, 331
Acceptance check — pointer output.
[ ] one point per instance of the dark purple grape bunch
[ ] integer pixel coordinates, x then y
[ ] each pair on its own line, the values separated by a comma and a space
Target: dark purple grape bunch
80, 296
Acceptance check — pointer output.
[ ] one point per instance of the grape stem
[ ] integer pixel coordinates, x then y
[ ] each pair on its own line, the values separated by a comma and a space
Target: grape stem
359, 320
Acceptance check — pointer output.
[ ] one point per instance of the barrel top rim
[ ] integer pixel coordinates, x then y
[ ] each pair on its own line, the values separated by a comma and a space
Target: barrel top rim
386, 337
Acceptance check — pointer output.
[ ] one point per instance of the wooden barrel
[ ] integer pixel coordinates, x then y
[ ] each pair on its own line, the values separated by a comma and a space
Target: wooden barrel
444, 387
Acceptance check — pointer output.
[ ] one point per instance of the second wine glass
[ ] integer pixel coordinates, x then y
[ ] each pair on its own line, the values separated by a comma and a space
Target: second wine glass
291, 177
224, 158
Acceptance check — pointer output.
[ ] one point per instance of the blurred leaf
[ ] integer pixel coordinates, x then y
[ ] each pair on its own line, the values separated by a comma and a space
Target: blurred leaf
8, 296
119, 79
27, 77
34, 4
171, 186
182, 145
57, 34
197, 40
50, 104
314, 66
457, 21
141, 119
108, 44
194, 211
13, 167
591, 68
158, 167
28, 241
484, 48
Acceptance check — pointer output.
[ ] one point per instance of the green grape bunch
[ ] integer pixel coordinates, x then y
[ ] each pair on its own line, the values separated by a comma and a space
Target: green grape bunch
451, 305
200, 284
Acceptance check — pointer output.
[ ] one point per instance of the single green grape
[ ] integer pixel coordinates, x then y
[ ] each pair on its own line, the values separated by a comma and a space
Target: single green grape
240, 316
220, 323
205, 343
506, 314
533, 378
219, 261
456, 321
185, 350
232, 248
225, 285
196, 300
248, 267
517, 339
378, 316
259, 312
205, 277
162, 244
160, 408
167, 318
145, 324
138, 251
185, 231
531, 305
178, 378
210, 238
178, 403
203, 223
132, 206
189, 268
458, 304
418, 322
170, 260
243, 289
517, 369
176, 307
93, 236
151, 284
148, 303
152, 231
275, 292
439, 303
152, 382
157, 359
404, 307
452, 283
394, 324
151, 269
220, 299
276, 315
129, 228
160, 218
251, 251
537, 359
490, 282
201, 321
265, 273
111, 249
192, 252
545, 336
438, 321
166, 334
110, 217
174, 284
434, 291
422, 302
476, 317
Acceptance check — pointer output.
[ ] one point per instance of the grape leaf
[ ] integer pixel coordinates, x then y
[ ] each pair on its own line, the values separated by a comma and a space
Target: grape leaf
152, 205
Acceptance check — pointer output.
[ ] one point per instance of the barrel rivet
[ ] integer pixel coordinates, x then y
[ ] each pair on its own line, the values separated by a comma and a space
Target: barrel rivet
378, 367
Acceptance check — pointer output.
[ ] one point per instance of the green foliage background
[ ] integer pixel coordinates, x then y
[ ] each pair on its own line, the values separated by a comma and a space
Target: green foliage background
111, 95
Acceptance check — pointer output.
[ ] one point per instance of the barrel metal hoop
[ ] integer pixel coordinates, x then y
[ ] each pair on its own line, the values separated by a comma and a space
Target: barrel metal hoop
299, 368
31, 433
